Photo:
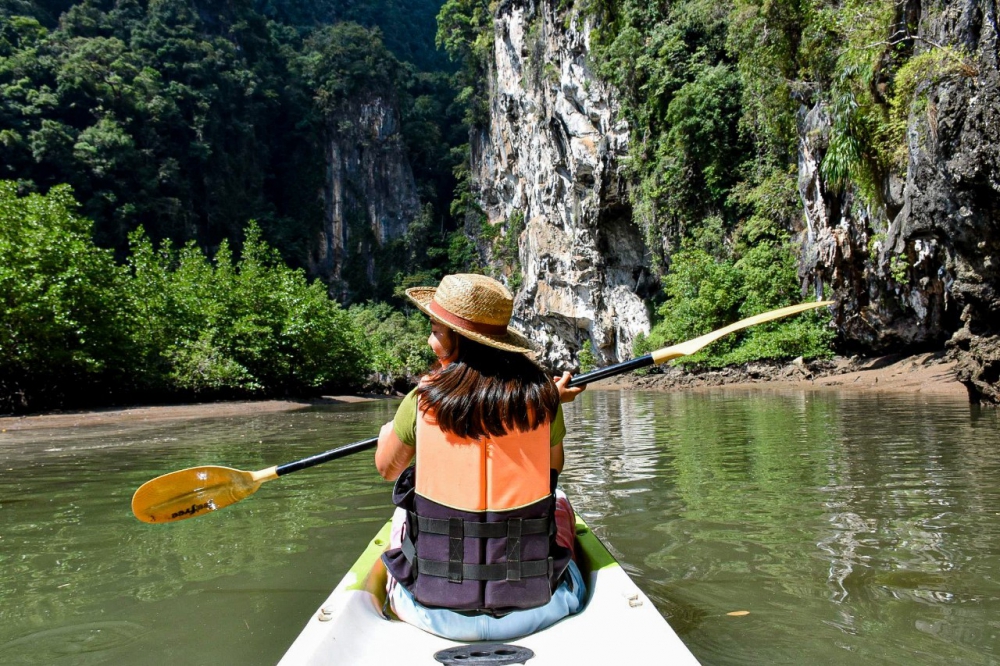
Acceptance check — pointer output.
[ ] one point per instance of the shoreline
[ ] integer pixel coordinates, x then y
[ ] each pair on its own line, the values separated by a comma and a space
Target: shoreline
152, 413
928, 374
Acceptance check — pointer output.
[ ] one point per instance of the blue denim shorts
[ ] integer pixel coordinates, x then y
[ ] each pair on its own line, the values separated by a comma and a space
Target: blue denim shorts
566, 600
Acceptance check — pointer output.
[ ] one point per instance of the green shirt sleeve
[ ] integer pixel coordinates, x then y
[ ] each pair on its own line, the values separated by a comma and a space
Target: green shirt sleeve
405, 422
557, 431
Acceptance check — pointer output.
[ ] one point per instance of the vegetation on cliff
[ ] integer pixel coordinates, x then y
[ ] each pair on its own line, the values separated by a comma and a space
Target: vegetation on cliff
712, 156
186, 120
177, 122
713, 98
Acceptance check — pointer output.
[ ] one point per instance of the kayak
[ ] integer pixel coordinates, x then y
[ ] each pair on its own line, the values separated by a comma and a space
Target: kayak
618, 625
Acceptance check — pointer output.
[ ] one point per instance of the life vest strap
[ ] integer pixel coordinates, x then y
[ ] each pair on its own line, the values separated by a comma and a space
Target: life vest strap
485, 572
482, 530
456, 549
514, 568
456, 570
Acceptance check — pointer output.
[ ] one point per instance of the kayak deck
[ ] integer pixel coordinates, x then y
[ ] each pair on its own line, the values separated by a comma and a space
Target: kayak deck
618, 625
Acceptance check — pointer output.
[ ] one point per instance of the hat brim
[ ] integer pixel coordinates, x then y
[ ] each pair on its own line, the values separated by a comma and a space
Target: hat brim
511, 341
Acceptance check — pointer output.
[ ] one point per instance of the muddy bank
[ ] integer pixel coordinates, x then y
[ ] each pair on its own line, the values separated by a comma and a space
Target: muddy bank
931, 373
152, 413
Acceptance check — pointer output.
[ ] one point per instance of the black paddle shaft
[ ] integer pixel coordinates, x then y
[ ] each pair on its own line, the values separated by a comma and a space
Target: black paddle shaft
612, 370
364, 445
327, 456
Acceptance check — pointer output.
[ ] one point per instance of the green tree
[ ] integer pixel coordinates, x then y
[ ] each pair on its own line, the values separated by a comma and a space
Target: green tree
396, 344
249, 326
340, 60
60, 311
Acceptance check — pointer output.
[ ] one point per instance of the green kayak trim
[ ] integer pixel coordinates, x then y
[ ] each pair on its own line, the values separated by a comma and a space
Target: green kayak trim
374, 550
597, 556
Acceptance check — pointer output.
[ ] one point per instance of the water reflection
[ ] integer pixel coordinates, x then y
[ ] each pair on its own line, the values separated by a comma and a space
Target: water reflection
233, 584
852, 528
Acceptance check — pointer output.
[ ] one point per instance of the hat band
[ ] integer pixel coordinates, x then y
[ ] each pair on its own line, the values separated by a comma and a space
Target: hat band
467, 324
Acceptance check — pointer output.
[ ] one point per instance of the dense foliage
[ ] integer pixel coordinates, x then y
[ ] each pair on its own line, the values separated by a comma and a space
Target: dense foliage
190, 118
151, 118
60, 320
407, 27
714, 96
76, 326
175, 123
395, 344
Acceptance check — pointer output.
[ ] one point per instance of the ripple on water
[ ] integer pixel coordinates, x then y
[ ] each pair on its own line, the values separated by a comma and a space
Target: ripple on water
849, 530
78, 644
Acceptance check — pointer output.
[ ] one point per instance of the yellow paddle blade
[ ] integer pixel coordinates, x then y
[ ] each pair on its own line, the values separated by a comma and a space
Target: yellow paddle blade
693, 346
194, 491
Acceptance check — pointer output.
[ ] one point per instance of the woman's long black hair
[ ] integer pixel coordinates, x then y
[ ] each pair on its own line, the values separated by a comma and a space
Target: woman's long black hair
484, 391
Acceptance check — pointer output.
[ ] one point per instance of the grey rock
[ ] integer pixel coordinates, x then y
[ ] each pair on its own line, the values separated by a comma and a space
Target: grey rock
369, 192
552, 152
923, 265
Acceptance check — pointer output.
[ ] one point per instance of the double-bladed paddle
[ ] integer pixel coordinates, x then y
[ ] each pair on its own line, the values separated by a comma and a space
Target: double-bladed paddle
197, 490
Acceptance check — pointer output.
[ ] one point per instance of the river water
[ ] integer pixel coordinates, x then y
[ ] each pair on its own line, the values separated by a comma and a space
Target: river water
853, 528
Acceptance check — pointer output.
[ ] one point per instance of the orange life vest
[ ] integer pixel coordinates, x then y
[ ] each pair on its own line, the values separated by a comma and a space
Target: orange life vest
497, 474
480, 522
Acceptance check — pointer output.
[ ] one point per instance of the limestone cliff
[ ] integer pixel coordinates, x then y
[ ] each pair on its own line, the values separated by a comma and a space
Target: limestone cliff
369, 193
550, 156
922, 269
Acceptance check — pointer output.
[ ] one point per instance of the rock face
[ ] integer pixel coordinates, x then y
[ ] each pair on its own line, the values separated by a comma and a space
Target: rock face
369, 193
550, 156
924, 268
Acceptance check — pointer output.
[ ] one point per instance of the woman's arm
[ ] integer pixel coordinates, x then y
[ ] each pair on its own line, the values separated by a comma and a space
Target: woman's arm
392, 456
556, 457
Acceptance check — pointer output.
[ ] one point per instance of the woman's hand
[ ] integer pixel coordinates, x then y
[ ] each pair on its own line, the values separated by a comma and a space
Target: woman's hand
567, 394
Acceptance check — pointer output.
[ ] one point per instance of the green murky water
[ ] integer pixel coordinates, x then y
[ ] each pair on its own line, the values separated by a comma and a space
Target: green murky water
853, 528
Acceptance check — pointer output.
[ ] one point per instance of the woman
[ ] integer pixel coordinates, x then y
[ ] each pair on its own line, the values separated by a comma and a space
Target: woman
481, 544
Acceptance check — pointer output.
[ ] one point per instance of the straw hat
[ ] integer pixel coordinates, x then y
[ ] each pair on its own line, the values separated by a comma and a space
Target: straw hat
474, 306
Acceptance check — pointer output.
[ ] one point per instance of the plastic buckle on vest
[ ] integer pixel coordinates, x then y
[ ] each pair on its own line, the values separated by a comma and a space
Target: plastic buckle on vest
514, 549
456, 549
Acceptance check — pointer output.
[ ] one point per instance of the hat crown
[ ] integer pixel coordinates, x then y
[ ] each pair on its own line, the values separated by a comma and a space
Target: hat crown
475, 298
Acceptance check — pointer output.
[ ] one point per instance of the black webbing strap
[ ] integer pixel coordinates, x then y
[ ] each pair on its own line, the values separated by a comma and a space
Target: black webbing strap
514, 549
456, 550
425, 567
485, 530
529, 569
409, 550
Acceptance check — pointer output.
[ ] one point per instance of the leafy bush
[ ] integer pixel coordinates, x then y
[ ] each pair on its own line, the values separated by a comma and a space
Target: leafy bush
75, 328
707, 290
60, 318
702, 295
395, 344
586, 357
247, 326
